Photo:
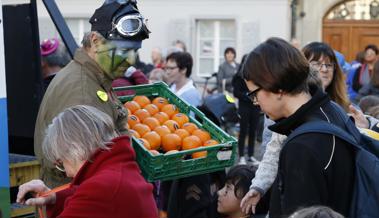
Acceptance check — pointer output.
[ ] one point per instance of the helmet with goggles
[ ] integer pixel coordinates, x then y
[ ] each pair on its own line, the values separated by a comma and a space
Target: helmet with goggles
120, 20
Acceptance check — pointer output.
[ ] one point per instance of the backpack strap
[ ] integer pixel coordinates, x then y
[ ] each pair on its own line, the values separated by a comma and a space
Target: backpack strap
326, 128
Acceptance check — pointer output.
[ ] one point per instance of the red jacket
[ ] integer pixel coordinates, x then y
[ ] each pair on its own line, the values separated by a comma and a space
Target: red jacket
108, 186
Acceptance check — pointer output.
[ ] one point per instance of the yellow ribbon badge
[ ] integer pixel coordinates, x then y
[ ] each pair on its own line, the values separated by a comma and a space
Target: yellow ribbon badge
102, 95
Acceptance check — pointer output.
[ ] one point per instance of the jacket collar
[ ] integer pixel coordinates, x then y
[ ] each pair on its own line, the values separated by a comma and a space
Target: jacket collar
94, 71
286, 125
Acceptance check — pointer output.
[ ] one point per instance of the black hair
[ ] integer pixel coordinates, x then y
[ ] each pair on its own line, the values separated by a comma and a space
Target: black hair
373, 47
240, 176
275, 65
183, 60
230, 49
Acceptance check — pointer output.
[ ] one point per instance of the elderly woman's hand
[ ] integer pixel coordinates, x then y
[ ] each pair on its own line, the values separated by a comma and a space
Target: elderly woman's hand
36, 187
250, 201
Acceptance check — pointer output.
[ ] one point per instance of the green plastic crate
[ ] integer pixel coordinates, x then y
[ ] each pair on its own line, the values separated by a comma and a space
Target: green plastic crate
177, 165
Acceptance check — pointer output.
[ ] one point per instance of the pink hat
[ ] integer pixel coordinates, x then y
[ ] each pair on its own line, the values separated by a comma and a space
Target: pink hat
49, 46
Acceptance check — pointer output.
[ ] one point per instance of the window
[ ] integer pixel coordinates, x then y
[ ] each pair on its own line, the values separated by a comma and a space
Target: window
78, 26
212, 38
355, 10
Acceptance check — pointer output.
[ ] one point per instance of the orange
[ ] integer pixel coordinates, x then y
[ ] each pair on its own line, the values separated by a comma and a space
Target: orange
211, 142
142, 114
182, 133
145, 143
191, 142
162, 130
180, 118
142, 129
171, 142
202, 134
127, 126
134, 133
129, 112
132, 106
151, 122
161, 117
152, 109
199, 154
154, 139
170, 109
190, 127
172, 125
160, 102
142, 100
133, 120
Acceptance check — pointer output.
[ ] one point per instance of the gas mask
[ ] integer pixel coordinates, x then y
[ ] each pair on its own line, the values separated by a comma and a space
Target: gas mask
124, 28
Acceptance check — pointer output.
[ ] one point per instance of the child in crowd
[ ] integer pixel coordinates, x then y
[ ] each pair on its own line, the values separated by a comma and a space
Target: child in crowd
236, 186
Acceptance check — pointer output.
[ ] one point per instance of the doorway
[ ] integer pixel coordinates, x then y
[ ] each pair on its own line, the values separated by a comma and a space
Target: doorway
351, 25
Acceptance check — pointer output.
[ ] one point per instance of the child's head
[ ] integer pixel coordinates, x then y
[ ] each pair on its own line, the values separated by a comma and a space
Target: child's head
237, 184
316, 212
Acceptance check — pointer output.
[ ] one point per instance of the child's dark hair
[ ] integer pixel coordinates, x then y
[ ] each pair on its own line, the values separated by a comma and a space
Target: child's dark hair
240, 176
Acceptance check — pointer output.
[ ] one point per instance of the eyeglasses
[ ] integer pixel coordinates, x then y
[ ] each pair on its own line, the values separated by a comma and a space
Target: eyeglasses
317, 65
59, 165
253, 95
170, 68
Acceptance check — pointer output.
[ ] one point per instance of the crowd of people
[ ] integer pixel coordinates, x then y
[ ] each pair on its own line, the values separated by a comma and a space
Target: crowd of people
81, 128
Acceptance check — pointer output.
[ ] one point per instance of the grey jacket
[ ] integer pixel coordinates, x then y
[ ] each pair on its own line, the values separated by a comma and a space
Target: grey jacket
226, 71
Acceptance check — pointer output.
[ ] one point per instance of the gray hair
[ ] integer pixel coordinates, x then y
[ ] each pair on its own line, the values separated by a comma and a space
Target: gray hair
59, 58
86, 41
77, 132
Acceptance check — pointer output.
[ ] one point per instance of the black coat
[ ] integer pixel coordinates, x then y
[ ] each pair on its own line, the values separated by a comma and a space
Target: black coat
305, 176
240, 91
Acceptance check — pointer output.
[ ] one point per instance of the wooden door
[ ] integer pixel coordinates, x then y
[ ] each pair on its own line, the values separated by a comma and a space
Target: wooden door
350, 36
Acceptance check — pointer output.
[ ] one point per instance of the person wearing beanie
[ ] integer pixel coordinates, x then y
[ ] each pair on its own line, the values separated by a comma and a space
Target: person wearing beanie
54, 57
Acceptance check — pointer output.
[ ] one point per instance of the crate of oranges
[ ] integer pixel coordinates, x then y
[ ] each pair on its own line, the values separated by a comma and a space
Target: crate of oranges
169, 142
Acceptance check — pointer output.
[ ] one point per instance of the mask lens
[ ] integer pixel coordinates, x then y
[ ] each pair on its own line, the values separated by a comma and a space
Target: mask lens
129, 25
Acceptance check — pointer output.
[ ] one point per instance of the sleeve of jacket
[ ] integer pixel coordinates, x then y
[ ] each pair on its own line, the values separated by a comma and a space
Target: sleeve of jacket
302, 177
139, 78
220, 77
268, 168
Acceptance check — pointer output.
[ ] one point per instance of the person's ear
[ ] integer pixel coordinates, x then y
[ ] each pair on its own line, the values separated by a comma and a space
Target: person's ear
95, 41
183, 71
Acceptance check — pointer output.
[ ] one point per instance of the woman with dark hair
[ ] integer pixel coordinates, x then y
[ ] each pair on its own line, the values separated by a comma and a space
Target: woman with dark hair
227, 70
323, 60
314, 168
249, 117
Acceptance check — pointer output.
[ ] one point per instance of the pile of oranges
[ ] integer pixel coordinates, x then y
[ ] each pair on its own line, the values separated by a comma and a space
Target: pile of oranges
160, 126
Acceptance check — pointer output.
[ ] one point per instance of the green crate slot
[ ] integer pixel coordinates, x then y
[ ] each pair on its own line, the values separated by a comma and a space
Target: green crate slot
173, 166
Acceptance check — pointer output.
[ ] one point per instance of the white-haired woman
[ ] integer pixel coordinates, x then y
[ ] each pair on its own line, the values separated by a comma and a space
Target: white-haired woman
107, 182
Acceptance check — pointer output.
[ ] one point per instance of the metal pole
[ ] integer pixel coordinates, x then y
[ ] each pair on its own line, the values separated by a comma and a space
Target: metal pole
293, 18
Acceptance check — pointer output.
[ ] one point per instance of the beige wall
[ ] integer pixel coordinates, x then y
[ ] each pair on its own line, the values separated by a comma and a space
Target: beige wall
309, 28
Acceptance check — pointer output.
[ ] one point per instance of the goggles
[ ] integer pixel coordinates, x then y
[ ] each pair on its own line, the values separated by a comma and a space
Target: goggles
129, 25
120, 20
